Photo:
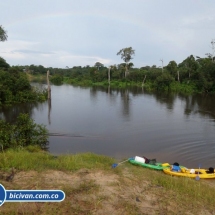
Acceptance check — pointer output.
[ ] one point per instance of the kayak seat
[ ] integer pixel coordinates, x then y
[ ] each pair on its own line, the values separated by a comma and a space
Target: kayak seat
210, 170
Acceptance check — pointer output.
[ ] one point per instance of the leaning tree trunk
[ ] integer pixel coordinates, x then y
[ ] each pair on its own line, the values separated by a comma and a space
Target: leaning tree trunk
144, 81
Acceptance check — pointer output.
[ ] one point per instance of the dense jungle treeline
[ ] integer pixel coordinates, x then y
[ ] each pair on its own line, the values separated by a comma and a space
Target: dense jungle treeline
194, 74
15, 86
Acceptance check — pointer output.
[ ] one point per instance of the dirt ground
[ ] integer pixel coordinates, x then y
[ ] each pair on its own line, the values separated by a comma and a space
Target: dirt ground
94, 192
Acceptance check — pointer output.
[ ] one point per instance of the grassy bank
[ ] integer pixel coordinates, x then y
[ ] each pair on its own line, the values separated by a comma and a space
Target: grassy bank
37, 78
32, 158
93, 187
187, 88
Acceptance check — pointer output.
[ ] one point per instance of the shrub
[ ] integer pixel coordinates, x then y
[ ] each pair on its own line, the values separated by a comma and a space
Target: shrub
23, 133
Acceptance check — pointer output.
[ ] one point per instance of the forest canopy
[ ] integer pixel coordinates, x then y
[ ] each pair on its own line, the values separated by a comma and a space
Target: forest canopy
193, 74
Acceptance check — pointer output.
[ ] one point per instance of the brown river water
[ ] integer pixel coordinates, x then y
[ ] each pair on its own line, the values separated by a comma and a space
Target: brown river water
123, 123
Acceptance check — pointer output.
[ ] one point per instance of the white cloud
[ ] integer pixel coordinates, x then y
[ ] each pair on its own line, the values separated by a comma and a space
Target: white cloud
24, 52
73, 33
80, 59
10, 50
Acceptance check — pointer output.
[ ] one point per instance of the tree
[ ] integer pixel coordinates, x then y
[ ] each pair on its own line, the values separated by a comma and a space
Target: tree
211, 55
23, 133
15, 88
164, 81
130, 65
114, 72
3, 34
98, 65
213, 49
162, 64
3, 63
190, 64
126, 55
172, 68
109, 75
125, 66
145, 68
93, 73
202, 62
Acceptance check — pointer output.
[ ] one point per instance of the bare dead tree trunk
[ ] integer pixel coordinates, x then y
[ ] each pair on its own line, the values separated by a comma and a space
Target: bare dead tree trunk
144, 81
49, 88
162, 64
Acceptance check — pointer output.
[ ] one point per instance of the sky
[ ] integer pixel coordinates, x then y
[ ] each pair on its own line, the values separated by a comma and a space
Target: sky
68, 33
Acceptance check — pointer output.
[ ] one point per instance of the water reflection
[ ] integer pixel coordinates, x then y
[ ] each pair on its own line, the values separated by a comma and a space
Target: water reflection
49, 110
166, 99
125, 102
11, 113
203, 105
113, 94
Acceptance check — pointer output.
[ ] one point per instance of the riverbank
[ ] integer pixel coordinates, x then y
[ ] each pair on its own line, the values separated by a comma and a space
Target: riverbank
93, 187
186, 88
148, 86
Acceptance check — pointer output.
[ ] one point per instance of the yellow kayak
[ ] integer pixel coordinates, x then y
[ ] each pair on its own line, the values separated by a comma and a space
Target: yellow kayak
191, 173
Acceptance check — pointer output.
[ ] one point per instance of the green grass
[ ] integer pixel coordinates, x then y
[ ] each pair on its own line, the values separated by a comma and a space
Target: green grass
172, 195
37, 78
183, 88
33, 158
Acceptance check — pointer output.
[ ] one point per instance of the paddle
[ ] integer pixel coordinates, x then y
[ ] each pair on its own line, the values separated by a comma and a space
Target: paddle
116, 164
197, 177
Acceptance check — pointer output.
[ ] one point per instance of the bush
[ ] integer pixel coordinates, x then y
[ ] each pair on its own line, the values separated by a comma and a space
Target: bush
57, 79
164, 81
23, 133
15, 88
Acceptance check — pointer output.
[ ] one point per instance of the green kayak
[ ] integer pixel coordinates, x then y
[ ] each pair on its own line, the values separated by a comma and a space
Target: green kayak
156, 166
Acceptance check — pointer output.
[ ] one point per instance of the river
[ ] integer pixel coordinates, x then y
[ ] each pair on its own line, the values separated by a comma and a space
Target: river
123, 123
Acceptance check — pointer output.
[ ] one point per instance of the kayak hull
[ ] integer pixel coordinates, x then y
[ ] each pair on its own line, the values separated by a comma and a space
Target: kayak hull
186, 173
157, 166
